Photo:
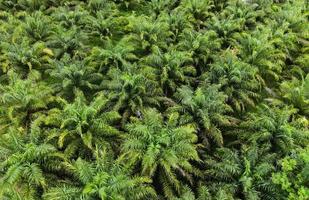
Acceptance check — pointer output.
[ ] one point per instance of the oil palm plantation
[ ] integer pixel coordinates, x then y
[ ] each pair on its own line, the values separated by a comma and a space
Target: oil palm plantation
157, 99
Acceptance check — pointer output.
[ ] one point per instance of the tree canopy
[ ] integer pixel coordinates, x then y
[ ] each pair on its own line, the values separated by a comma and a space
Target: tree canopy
154, 99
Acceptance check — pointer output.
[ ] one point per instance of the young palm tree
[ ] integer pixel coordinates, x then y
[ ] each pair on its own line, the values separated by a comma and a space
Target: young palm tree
102, 179
69, 19
244, 174
237, 79
188, 194
206, 108
161, 149
12, 5
24, 56
272, 125
176, 20
245, 14
38, 27
266, 58
171, 68
113, 55
130, 92
67, 41
104, 25
22, 99
128, 4
26, 166
197, 11
29, 5
291, 15
157, 8
296, 92
86, 125
68, 75
147, 32
225, 28
98, 5
202, 45
302, 60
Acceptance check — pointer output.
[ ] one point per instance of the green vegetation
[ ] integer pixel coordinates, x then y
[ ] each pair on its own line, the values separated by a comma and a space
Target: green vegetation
154, 99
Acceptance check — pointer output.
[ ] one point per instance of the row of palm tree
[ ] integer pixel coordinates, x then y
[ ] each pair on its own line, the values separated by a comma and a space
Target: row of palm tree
160, 99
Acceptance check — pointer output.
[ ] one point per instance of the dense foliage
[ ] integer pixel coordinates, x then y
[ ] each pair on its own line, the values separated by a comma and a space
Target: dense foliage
154, 99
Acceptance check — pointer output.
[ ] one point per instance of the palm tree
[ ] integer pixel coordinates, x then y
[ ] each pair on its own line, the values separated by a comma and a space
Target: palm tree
188, 194
104, 25
272, 125
245, 14
29, 5
236, 16
131, 91
86, 125
266, 58
113, 55
68, 75
67, 41
302, 60
12, 5
98, 5
236, 78
24, 56
225, 28
296, 93
206, 107
201, 44
147, 32
37, 26
157, 8
244, 174
162, 149
68, 19
129, 4
171, 68
291, 17
197, 11
22, 99
26, 166
176, 18
102, 179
